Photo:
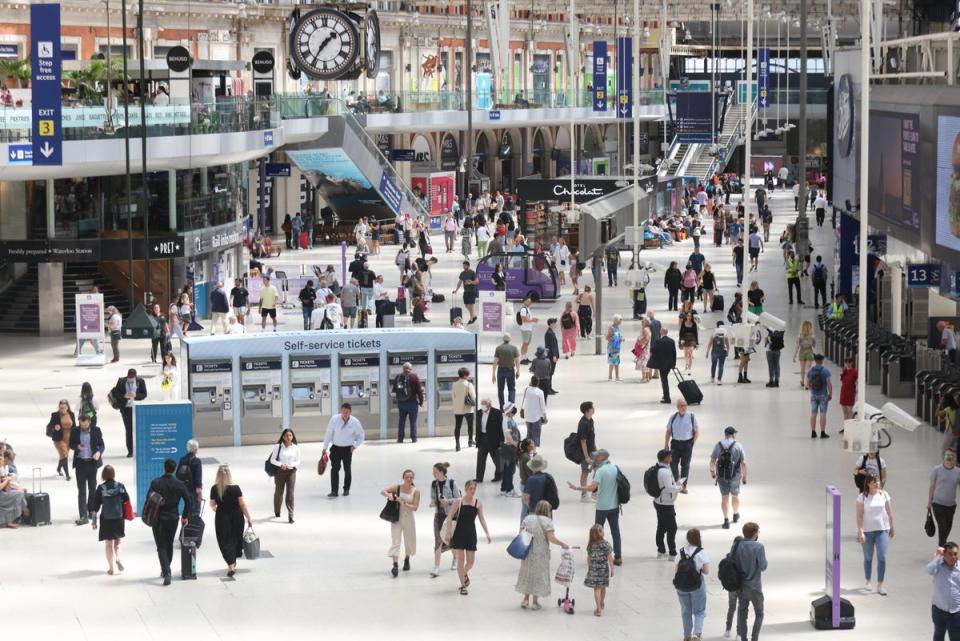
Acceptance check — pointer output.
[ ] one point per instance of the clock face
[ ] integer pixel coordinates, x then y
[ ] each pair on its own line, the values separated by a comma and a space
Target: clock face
372, 44
325, 44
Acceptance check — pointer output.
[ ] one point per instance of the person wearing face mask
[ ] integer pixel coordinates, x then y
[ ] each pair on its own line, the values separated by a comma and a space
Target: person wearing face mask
87, 445
942, 496
127, 390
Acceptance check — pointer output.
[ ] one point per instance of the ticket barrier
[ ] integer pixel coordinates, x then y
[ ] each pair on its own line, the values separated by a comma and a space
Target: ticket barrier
360, 386
395, 361
210, 385
262, 411
447, 367
310, 395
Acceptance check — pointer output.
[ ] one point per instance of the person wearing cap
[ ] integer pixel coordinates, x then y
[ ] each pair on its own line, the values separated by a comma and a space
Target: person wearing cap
729, 478
664, 506
506, 369
821, 392
409, 394
608, 502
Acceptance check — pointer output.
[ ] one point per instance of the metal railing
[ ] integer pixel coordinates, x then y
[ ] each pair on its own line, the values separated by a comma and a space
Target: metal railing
717, 163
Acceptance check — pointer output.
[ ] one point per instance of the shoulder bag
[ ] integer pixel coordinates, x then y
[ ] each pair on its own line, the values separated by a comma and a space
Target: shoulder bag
269, 467
391, 511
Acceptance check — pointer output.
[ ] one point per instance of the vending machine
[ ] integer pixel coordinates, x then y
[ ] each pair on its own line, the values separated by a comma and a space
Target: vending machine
262, 404
310, 395
395, 361
448, 365
360, 386
210, 385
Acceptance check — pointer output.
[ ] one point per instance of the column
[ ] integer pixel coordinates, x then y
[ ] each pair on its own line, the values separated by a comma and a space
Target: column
172, 197
51, 278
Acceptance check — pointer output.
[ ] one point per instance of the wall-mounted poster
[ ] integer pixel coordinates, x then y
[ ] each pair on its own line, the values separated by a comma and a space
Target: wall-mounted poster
894, 168
948, 182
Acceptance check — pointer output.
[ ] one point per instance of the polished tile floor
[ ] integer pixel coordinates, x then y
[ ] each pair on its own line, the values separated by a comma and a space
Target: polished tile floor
329, 574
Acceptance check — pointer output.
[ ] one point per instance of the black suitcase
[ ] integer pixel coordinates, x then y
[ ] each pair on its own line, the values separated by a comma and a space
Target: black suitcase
402, 306
193, 530
717, 305
689, 388
438, 298
188, 560
457, 312
38, 502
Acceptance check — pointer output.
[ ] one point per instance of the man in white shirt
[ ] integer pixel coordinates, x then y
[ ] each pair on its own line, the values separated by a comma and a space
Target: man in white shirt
681, 434
534, 406
527, 321
948, 340
783, 174
820, 206
344, 436
796, 196
664, 505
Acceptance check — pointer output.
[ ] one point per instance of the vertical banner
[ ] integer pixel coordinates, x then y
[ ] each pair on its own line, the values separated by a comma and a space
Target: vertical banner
763, 77
45, 69
492, 305
599, 75
161, 431
624, 77
90, 324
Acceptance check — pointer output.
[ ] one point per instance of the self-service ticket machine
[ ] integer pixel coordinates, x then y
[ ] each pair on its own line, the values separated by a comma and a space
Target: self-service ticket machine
395, 361
211, 384
360, 386
261, 402
448, 364
310, 395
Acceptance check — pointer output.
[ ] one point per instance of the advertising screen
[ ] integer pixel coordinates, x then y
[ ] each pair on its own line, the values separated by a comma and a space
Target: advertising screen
894, 168
948, 182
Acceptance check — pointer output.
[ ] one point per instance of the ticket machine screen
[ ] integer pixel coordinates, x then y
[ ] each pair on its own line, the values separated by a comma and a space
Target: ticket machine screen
302, 392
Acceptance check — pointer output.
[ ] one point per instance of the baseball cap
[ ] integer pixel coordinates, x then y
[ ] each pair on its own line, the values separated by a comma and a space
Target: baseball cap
730, 430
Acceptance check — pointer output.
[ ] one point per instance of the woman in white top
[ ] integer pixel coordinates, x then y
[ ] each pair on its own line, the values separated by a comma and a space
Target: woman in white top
286, 458
874, 528
114, 325
464, 406
534, 410
483, 237
693, 603
169, 379
328, 316
408, 496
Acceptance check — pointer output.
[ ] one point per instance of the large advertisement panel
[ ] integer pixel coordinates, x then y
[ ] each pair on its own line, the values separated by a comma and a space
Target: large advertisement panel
948, 182
341, 183
894, 169
694, 117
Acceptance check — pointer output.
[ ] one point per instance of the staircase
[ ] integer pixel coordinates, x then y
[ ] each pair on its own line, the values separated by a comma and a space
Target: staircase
704, 164
79, 278
675, 159
20, 304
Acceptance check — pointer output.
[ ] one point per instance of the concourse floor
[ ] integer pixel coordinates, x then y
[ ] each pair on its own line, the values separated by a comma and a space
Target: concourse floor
329, 574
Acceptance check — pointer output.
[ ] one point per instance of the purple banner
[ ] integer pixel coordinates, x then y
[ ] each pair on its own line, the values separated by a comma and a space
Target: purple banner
90, 318
492, 312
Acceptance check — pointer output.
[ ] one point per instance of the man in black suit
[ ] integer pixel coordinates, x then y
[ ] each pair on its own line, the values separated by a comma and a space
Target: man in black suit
663, 353
87, 446
489, 438
174, 494
553, 349
127, 390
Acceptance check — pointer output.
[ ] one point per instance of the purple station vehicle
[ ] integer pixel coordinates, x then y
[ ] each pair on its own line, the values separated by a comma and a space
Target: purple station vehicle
526, 274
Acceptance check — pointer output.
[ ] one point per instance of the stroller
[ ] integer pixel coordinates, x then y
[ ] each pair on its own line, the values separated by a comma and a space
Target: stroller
564, 577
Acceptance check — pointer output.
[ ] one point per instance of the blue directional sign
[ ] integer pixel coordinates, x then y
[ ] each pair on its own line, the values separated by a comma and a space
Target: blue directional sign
20, 154
494, 114
763, 77
278, 170
268, 139
45, 68
599, 75
926, 275
624, 77
391, 193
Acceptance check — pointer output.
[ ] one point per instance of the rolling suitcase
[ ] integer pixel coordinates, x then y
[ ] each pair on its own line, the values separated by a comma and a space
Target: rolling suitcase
689, 388
456, 312
193, 530
304, 239
717, 305
188, 560
38, 502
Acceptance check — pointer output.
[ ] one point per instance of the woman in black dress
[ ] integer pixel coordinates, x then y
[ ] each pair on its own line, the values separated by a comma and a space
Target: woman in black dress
226, 499
108, 501
463, 537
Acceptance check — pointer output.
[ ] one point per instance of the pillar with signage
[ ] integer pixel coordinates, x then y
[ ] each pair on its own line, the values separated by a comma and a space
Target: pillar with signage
90, 325
162, 430
262, 66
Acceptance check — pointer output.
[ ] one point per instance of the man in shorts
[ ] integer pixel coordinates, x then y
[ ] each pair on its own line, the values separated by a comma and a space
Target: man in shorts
350, 300
821, 392
268, 303
527, 321
729, 472
756, 246
238, 300
468, 279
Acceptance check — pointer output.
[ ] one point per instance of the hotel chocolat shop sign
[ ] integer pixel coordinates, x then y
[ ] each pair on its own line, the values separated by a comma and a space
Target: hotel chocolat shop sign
584, 190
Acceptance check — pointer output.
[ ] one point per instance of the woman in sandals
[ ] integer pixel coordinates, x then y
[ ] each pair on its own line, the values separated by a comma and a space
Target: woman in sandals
463, 537
534, 578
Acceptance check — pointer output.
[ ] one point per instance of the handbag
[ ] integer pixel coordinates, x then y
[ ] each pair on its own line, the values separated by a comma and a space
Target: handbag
128, 510
929, 526
251, 544
391, 511
269, 467
322, 463
520, 546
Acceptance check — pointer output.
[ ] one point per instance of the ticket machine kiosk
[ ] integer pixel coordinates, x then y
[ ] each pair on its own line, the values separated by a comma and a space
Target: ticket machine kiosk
310, 395
395, 361
359, 383
448, 364
211, 383
262, 412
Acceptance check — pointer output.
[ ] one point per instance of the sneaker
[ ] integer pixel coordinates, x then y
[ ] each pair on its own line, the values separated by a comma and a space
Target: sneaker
824, 435
736, 517
882, 591
813, 433
868, 587
661, 556
502, 493
435, 572
332, 495
513, 494
719, 382
587, 498
726, 634
726, 524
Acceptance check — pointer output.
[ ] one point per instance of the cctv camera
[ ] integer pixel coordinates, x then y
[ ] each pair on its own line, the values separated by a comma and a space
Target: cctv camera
899, 417
770, 321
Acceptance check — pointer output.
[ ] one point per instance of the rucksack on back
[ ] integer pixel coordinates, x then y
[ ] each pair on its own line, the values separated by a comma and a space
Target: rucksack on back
687, 577
572, 449
730, 575
519, 318
776, 341
718, 343
151, 508
817, 379
112, 502
623, 488
401, 387
819, 275
725, 467
651, 483
185, 473
566, 321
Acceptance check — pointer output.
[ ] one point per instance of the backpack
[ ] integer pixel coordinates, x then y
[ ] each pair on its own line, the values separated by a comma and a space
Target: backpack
550, 494
566, 321
401, 387
151, 508
725, 467
858, 479
730, 575
688, 577
817, 379
651, 483
623, 488
519, 317
185, 472
819, 275
718, 343
112, 502
776, 341
572, 449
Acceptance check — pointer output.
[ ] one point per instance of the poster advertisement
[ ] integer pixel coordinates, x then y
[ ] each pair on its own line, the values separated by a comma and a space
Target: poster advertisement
341, 183
89, 325
948, 182
894, 168
694, 117
161, 431
492, 306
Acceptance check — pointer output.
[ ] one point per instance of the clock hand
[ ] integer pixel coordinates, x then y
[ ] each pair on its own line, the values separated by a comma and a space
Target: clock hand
326, 42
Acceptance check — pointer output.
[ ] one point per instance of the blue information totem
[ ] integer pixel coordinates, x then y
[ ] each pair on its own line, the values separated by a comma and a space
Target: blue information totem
45, 70
599, 75
624, 78
161, 430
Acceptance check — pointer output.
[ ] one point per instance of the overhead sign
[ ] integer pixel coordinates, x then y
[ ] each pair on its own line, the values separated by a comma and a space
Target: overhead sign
178, 59
9, 51
20, 154
45, 68
494, 114
263, 62
278, 170
694, 119
403, 155
599, 75
925, 275
268, 139
763, 77
533, 189
624, 77
391, 193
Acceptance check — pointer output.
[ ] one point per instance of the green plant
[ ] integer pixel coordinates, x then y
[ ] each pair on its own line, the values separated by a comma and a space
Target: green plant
17, 69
